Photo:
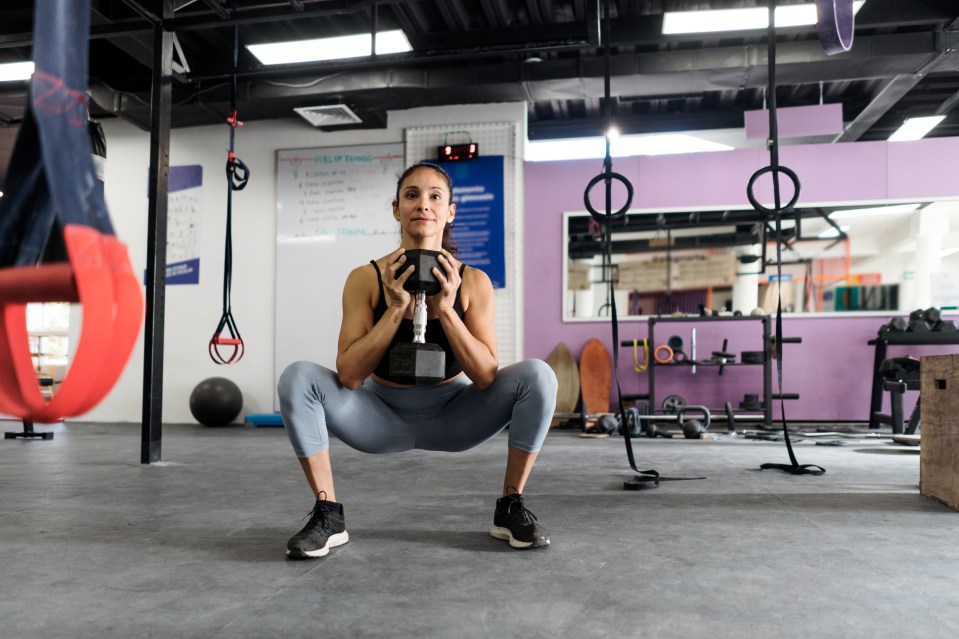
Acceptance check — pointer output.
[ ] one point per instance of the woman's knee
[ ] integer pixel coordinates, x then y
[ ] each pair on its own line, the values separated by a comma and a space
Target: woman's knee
538, 376
299, 377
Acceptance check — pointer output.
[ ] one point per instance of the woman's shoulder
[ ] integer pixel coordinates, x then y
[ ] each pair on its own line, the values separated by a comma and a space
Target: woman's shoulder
476, 286
363, 276
382, 263
476, 278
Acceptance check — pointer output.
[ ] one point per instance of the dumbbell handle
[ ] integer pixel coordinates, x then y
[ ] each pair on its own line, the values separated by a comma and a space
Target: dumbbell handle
419, 318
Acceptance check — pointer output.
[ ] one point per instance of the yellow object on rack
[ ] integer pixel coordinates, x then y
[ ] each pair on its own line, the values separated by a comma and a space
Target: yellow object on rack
640, 368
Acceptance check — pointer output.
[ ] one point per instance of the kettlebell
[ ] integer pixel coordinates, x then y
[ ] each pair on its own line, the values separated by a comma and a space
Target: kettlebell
694, 428
608, 424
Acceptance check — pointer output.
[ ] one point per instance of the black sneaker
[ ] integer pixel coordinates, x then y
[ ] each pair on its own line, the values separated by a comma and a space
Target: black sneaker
514, 522
326, 529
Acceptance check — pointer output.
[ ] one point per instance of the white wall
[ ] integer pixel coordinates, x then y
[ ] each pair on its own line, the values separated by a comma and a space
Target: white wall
192, 311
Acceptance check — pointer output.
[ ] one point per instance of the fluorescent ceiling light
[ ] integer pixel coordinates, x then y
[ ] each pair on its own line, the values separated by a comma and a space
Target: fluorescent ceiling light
794, 15
831, 233
336, 48
916, 128
875, 210
13, 71
621, 146
949, 251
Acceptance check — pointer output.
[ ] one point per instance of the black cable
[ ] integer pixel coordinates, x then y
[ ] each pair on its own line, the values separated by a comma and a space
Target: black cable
646, 478
774, 169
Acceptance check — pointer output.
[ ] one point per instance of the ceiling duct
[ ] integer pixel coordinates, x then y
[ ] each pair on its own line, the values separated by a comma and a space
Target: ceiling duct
330, 115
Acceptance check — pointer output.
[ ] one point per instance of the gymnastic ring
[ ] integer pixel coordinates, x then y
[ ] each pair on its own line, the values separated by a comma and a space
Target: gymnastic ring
679, 357
664, 359
675, 342
768, 169
611, 216
836, 25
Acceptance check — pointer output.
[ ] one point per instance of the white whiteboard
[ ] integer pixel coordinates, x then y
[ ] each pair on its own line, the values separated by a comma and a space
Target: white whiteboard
332, 214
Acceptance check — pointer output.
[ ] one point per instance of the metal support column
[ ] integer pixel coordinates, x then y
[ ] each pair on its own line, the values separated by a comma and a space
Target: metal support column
161, 105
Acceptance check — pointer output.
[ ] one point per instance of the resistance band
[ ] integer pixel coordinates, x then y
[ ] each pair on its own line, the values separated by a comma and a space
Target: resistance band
640, 368
646, 478
774, 169
237, 177
54, 196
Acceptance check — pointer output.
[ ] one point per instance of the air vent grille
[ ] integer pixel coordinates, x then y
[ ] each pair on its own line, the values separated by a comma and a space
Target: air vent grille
331, 115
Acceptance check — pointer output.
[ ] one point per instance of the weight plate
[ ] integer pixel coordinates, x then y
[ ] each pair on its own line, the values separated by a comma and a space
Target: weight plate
672, 404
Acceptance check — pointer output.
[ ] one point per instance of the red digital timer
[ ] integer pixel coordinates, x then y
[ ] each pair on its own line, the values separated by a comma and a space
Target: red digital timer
450, 152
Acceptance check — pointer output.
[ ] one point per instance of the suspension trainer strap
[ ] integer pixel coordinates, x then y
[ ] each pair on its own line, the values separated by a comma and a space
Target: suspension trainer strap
54, 193
774, 169
237, 177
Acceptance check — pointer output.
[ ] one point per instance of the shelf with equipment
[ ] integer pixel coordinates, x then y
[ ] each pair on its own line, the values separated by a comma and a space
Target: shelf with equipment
900, 338
720, 362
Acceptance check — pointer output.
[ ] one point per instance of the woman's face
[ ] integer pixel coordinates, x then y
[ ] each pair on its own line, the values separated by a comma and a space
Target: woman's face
423, 208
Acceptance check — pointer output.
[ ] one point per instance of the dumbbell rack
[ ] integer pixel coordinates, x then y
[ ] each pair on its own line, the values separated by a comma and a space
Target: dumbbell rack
899, 339
767, 363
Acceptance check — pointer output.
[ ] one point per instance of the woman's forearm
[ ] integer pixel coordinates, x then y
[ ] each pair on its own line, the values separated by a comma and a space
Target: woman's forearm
475, 357
355, 363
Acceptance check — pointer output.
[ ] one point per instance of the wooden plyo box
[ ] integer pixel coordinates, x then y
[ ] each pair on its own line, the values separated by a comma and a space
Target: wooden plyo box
939, 454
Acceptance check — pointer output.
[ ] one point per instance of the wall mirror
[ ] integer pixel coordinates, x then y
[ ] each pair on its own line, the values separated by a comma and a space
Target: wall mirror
854, 257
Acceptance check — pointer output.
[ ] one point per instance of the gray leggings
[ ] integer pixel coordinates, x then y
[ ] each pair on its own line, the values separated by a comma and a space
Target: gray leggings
455, 416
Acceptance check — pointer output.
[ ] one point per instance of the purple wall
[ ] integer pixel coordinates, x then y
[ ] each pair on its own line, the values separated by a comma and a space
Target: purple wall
831, 370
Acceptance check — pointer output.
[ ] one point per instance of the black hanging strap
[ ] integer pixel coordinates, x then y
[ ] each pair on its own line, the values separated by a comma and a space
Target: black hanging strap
237, 176
774, 169
646, 479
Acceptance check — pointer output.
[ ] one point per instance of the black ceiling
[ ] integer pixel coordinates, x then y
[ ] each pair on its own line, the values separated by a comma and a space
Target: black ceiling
543, 52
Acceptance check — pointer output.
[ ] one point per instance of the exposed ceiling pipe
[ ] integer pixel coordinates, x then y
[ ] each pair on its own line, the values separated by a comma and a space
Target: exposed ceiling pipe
218, 9
389, 61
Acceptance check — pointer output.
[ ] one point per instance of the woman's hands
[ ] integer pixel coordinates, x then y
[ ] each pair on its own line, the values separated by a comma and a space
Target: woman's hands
396, 295
449, 278
447, 275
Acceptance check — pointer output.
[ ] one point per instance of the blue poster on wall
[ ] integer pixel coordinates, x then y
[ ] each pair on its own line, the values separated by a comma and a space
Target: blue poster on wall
184, 208
478, 192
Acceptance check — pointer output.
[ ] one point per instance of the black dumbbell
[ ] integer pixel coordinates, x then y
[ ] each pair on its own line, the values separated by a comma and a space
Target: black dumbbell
896, 325
945, 326
417, 362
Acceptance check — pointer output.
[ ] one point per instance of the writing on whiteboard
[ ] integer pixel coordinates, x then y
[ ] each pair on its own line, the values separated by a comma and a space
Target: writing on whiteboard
335, 194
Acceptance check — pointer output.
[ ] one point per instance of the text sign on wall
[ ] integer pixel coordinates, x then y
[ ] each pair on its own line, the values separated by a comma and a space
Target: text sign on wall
336, 192
184, 208
478, 187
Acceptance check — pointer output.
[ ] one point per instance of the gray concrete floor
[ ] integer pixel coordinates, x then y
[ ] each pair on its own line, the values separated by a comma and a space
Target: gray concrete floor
93, 544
